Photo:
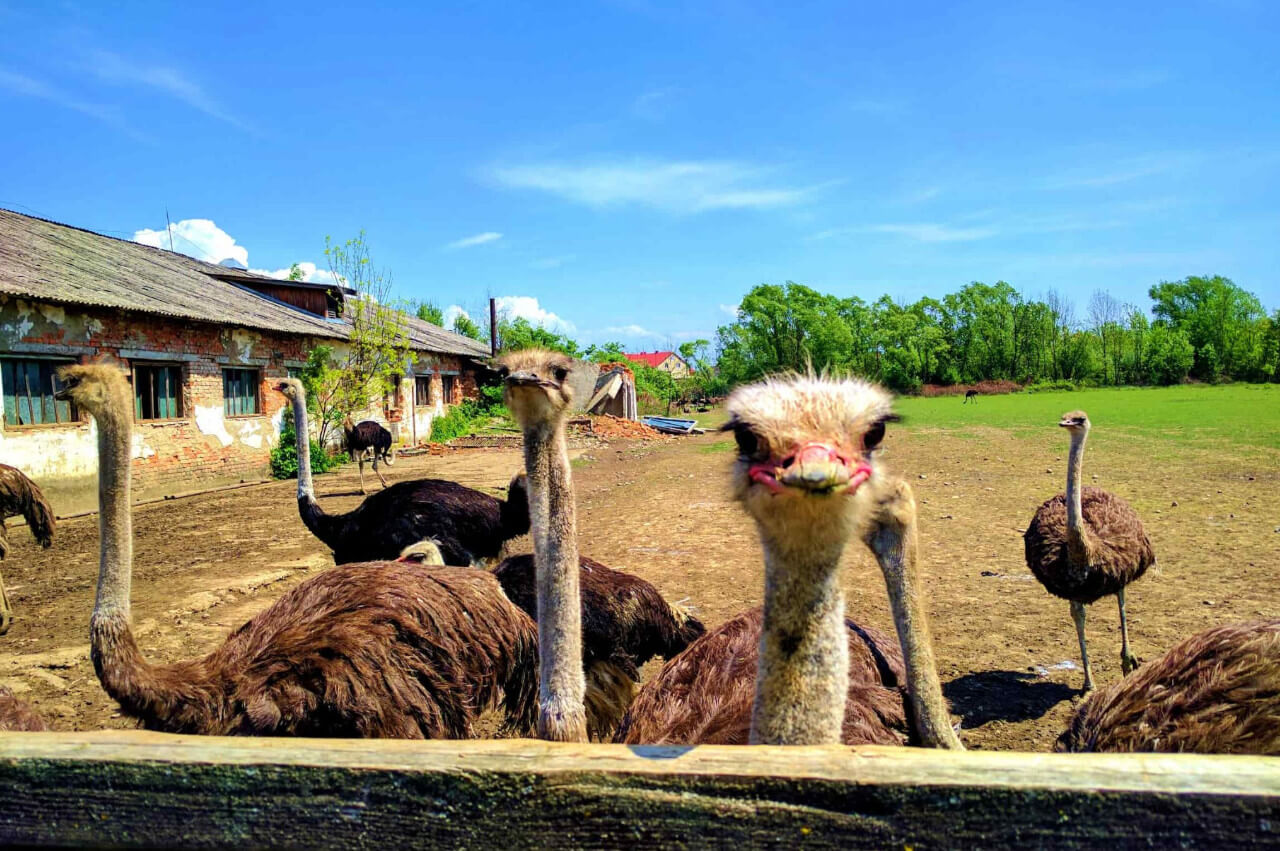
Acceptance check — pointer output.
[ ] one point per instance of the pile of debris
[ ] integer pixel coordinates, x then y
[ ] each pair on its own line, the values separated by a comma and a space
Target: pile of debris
608, 427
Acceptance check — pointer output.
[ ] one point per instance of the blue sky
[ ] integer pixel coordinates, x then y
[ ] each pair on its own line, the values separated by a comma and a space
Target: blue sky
632, 168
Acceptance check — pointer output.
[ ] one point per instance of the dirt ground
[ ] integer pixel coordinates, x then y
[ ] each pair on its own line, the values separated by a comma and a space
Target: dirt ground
1006, 649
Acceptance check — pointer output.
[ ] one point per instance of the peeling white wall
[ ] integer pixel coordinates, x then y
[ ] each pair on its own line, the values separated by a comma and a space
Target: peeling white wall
46, 453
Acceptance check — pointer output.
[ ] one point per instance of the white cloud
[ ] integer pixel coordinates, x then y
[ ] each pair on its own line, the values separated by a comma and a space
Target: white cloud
477, 239
1123, 171
730, 310
113, 68
631, 331
451, 313
935, 233
679, 186
552, 262
198, 238
310, 273
527, 307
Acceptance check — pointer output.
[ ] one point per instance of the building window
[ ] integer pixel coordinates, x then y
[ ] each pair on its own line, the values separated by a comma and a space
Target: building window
422, 391
239, 392
28, 386
157, 392
446, 388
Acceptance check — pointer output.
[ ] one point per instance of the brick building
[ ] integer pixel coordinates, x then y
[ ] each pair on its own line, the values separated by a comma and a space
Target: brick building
202, 345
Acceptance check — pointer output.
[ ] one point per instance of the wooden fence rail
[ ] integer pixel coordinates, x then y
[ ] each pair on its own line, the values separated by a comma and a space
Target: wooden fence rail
143, 789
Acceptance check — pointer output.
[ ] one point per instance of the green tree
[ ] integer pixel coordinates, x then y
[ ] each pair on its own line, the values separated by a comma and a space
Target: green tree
467, 327
1220, 319
1167, 355
429, 311
520, 333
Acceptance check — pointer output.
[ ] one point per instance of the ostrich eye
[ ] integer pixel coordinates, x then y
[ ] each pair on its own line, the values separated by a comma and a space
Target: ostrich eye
874, 435
749, 443
561, 373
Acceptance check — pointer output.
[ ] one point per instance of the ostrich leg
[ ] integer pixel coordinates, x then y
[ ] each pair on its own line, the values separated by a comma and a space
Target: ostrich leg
6, 613
1077, 614
1128, 662
376, 470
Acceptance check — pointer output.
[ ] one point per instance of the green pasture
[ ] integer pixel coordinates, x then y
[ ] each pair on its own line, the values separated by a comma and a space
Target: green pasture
1244, 418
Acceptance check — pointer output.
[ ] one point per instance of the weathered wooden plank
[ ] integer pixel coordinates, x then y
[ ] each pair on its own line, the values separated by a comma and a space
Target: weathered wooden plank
151, 789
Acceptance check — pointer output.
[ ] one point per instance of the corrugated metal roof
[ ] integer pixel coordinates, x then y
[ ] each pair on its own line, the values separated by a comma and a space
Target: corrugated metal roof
653, 359
53, 262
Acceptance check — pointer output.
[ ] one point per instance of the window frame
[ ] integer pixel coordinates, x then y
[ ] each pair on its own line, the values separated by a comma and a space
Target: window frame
181, 413
420, 381
447, 385
76, 416
257, 391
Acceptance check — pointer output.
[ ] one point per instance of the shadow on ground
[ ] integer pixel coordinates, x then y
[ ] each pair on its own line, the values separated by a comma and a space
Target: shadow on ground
986, 696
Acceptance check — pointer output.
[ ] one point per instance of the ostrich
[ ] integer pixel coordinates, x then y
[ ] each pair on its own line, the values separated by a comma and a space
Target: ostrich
970, 394
20, 495
366, 650
468, 525
358, 439
625, 623
538, 392
1215, 692
1085, 544
807, 472
17, 715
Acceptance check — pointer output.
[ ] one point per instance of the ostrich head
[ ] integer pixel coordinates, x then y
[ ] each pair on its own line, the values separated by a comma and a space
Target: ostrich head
807, 465
426, 551
98, 389
290, 388
1077, 422
537, 385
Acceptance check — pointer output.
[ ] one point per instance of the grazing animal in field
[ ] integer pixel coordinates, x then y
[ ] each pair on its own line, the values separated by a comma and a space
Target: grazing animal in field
363, 650
807, 472
360, 439
625, 623
17, 715
1085, 544
970, 394
1215, 692
20, 495
466, 524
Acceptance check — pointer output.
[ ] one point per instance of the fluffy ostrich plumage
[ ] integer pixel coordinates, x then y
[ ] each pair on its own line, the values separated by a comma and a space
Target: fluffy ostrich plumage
704, 695
468, 525
20, 495
17, 715
373, 650
1119, 551
625, 623
1215, 692
366, 435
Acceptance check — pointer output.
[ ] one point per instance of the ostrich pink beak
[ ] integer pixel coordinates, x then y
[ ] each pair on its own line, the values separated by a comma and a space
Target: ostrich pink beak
815, 467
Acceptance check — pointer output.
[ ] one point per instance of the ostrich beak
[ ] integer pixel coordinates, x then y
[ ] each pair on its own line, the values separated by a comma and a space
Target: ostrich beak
817, 468
524, 378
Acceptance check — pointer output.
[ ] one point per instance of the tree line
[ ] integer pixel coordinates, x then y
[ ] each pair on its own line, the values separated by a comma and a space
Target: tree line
1206, 328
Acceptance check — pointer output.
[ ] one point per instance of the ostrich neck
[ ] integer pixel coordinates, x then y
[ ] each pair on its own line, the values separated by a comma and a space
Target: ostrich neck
555, 547
303, 440
896, 549
803, 679
115, 517
1077, 538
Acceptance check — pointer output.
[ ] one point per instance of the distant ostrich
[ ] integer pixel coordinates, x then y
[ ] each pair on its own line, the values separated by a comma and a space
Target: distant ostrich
1215, 692
625, 623
17, 715
20, 495
538, 392
970, 394
807, 472
468, 525
358, 439
1085, 544
367, 650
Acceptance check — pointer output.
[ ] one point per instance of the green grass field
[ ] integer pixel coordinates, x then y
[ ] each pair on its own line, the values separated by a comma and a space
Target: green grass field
1245, 417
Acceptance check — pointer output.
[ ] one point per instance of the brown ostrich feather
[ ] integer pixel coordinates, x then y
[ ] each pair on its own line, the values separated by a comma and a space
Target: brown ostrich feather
382, 650
704, 695
20, 495
625, 623
1119, 551
1215, 692
17, 715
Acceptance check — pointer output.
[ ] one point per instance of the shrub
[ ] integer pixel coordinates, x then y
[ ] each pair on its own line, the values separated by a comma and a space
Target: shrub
1047, 386
985, 388
284, 456
457, 422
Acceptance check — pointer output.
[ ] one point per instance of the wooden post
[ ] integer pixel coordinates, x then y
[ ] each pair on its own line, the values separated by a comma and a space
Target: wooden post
152, 789
493, 326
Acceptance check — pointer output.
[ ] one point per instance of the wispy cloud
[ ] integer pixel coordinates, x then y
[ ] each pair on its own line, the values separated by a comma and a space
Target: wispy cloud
919, 232
689, 186
20, 84
935, 232
113, 68
653, 104
1121, 171
631, 331
878, 106
472, 241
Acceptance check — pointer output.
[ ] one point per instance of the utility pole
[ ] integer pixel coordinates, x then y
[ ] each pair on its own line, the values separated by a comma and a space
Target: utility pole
493, 326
